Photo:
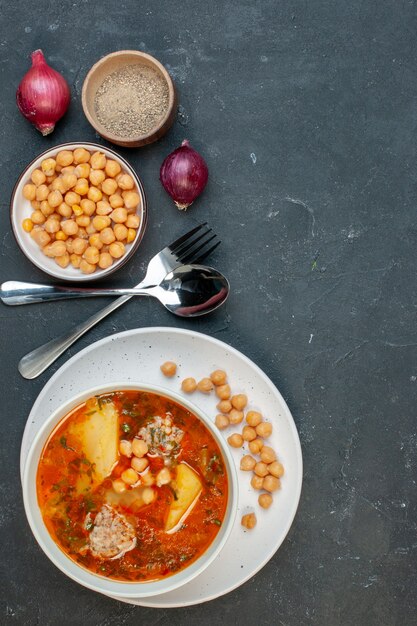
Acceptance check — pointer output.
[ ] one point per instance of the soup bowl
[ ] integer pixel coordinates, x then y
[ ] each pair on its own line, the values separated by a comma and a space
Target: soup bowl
79, 573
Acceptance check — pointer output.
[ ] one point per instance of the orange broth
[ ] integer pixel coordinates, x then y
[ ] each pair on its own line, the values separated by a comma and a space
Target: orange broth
157, 554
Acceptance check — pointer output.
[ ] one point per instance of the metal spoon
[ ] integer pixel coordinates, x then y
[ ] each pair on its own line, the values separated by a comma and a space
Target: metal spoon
187, 291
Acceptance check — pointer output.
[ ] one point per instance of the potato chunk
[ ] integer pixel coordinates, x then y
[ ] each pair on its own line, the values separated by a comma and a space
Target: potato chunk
188, 488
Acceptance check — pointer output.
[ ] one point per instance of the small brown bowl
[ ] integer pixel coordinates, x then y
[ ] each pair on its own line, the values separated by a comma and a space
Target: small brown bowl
111, 63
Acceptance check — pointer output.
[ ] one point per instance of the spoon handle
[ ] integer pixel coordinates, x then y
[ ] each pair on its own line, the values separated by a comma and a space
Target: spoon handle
36, 361
15, 292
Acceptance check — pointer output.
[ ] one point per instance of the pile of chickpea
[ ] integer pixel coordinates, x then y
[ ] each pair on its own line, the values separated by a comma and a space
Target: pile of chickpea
84, 209
266, 469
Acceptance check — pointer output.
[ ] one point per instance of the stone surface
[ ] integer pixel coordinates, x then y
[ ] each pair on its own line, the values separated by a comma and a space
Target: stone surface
306, 114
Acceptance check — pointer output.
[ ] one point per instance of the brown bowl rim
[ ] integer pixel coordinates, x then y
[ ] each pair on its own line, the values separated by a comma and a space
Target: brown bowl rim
134, 139
138, 181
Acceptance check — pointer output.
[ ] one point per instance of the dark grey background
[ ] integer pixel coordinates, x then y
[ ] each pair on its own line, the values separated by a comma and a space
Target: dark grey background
306, 113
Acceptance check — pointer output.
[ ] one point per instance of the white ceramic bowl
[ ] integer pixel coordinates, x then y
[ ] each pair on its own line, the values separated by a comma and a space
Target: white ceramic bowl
20, 208
85, 577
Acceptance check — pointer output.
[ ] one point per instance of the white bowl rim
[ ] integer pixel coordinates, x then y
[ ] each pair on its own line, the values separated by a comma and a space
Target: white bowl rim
100, 583
60, 272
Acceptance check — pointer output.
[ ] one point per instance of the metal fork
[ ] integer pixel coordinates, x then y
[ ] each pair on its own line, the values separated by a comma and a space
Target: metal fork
193, 247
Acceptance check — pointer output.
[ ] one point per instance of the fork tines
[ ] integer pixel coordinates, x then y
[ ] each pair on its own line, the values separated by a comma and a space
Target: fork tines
193, 247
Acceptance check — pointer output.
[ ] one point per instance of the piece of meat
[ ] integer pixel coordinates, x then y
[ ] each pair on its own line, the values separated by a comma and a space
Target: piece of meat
112, 535
162, 436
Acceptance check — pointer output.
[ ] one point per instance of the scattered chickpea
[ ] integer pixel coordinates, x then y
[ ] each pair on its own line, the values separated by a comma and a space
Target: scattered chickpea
271, 483
163, 477
265, 500
205, 385
256, 445
219, 377
139, 465
247, 463
268, 455
223, 392
248, 433
125, 447
221, 421
139, 447
261, 469
119, 485
249, 521
189, 385
264, 429
169, 369
239, 401
129, 476
276, 469
235, 417
27, 225
256, 482
148, 495
235, 440
224, 406
253, 418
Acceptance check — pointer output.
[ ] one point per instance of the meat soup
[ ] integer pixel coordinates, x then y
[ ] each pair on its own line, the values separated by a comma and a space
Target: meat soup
132, 486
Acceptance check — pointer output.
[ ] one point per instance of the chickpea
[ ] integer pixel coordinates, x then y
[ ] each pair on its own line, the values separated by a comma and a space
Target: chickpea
239, 401
265, 500
112, 168
75, 260
119, 486
109, 186
139, 447
91, 255
131, 234
27, 225
69, 244
83, 220
169, 369
88, 206
50, 179
38, 177
46, 209
101, 221
147, 478
163, 477
64, 158
105, 260
256, 482
107, 235
117, 249
248, 433
57, 248
276, 469
148, 495
116, 201
79, 245
94, 194
94, 240
129, 476
235, 440
72, 198
139, 465
82, 170
63, 260
249, 521
261, 469
90, 230
125, 182
268, 455
221, 421
119, 215
42, 192
235, 416
63, 209
189, 385
70, 227
69, 169
120, 232
247, 463
256, 445
219, 377
98, 160
131, 199
264, 429
40, 236
55, 199
29, 191
48, 166
82, 188
96, 177
133, 221
103, 208
36, 205
271, 483
52, 225
253, 418
61, 236
38, 217
69, 181
81, 155
205, 385
58, 185
82, 232
87, 268
223, 392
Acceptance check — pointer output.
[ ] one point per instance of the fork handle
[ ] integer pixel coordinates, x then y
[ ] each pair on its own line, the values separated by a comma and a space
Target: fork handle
36, 362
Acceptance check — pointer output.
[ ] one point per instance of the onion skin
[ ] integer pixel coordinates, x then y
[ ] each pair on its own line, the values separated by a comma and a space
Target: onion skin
43, 95
184, 175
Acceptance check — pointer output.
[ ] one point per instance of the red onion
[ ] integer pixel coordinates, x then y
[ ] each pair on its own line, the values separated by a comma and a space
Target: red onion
184, 175
43, 95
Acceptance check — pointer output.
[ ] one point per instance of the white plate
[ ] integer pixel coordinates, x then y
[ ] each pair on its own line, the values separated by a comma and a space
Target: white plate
136, 355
